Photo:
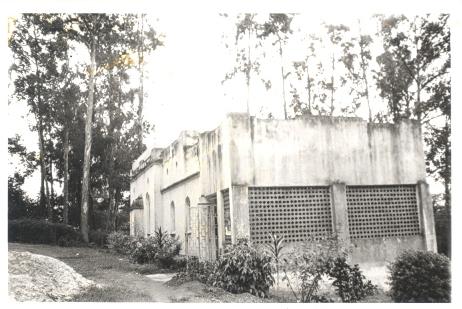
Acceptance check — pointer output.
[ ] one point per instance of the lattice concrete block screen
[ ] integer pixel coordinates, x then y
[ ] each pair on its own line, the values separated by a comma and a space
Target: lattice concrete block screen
294, 212
382, 211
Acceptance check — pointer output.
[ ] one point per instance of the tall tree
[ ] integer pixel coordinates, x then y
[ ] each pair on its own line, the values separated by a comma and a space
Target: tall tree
356, 59
37, 49
335, 33
246, 42
278, 26
419, 49
309, 72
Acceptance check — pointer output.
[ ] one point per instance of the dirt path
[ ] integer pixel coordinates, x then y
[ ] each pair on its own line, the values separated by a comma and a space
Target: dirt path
120, 280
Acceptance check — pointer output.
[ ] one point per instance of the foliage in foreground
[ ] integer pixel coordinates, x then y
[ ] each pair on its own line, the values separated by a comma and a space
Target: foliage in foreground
42, 232
196, 269
161, 248
420, 276
320, 258
351, 285
243, 269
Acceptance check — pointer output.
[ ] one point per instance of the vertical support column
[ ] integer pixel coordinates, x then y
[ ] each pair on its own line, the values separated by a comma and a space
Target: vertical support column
426, 215
239, 207
340, 213
220, 220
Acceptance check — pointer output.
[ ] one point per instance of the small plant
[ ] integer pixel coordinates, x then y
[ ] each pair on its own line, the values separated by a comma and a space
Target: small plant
309, 262
420, 276
196, 269
275, 248
350, 283
167, 247
243, 269
120, 242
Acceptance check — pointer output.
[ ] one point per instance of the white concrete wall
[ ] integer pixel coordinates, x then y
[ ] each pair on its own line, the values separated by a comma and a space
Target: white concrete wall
178, 195
323, 150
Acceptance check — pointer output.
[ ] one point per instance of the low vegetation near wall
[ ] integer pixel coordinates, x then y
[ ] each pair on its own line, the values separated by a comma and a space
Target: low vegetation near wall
245, 268
160, 249
42, 232
420, 276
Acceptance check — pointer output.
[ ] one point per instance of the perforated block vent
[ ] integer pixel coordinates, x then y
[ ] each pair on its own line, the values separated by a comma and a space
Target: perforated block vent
382, 211
294, 212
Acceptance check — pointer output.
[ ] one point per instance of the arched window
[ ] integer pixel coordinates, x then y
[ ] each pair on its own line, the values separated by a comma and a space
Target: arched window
187, 212
172, 217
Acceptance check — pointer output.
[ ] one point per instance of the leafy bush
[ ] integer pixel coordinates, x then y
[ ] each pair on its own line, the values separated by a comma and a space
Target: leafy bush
309, 262
350, 283
243, 269
98, 237
167, 247
161, 248
195, 269
143, 250
321, 258
420, 276
42, 232
119, 242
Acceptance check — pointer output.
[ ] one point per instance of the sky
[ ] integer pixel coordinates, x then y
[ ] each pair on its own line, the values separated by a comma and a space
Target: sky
183, 77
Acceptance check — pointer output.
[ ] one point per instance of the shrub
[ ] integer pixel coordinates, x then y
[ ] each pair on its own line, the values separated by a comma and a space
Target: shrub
119, 242
98, 237
42, 232
350, 283
420, 276
242, 269
143, 250
160, 249
167, 248
320, 258
309, 262
195, 269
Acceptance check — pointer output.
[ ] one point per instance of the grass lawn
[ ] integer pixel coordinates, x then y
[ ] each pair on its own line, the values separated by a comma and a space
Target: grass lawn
122, 281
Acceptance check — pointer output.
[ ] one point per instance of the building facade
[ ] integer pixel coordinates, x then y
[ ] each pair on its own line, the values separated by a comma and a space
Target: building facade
249, 177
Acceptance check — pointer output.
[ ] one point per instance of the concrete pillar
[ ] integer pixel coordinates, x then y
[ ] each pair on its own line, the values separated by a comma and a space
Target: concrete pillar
239, 208
426, 215
340, 213
220, 220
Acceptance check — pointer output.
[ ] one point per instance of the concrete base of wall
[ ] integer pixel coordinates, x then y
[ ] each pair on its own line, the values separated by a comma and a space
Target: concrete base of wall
383, 250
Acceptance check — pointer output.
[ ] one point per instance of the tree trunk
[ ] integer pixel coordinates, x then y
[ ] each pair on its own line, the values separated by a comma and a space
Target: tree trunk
332, 87
43, 171
87, 153
52, 191
418, 107
43, 203
141, 87
249, 63
110, 224
283, 80
66, 175
308, 86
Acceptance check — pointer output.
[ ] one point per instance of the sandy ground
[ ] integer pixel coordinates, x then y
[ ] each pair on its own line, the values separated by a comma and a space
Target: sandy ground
117, 279
34, 277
